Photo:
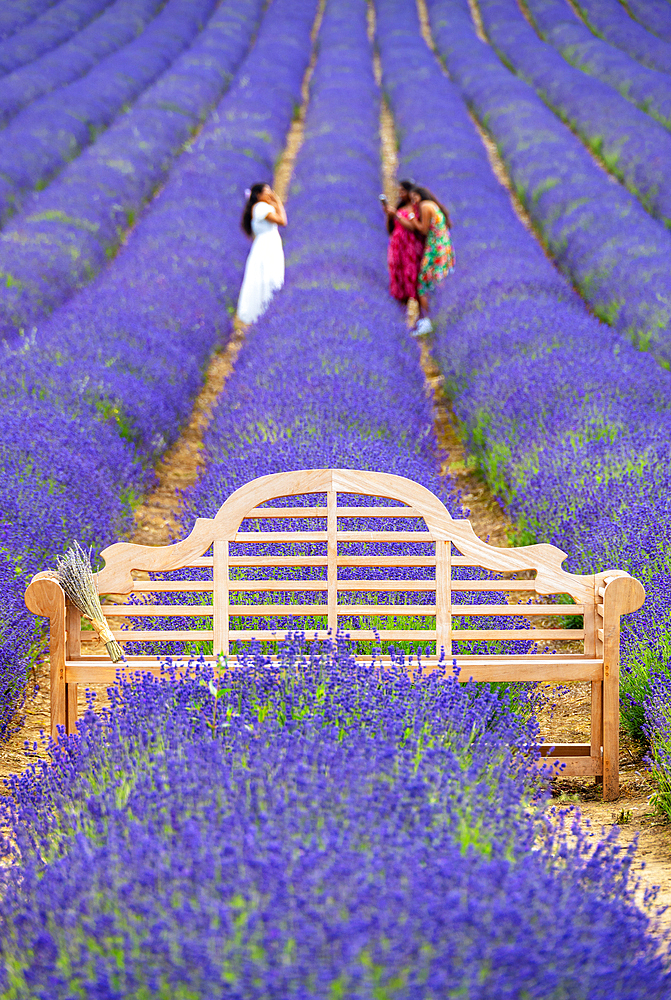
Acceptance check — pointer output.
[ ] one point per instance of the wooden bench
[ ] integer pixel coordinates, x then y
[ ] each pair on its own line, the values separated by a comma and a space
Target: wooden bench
359, 546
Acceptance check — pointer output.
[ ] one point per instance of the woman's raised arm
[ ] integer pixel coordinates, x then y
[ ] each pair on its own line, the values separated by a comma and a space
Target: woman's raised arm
278, 213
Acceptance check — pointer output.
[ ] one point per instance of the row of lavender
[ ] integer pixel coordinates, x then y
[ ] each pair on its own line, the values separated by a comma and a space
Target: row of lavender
17, 16
65, 232
95, 396
598, 233
633, 147
648, 89
50, 28
321, 830
613, 23
49, 133
117, 26
571, 424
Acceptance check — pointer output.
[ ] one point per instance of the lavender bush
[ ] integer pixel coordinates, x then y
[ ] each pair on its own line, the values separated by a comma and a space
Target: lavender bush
599, 234
653, 15
107, 381
648, 89
633, 147
610, 20
49, 29
45, 136
328, 831
657, 727
13, 18
116, 26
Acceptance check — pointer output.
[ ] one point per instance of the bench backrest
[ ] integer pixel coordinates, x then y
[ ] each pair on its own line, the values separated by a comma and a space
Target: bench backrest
367, 552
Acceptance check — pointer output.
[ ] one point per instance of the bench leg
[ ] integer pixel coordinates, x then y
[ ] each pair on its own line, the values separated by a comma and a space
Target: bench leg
57, 668
71, 708
596, 735
611, 737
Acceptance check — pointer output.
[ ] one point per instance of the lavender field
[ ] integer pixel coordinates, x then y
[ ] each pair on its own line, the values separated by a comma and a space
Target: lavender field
318, 828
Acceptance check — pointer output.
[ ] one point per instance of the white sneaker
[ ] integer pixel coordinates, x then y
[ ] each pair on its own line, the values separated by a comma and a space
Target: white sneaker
422, 327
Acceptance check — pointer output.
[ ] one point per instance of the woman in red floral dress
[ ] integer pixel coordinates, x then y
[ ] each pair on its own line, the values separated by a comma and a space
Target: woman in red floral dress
406, 247
432, 221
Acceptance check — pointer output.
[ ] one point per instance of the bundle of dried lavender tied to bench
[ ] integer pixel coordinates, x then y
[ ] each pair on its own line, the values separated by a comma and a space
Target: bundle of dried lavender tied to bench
75, 576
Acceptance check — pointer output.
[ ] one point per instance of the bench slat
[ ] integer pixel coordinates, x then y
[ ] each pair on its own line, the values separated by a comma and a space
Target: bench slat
262, 512
271, 537
197, 586
385, 536
99, 670
277, 561
172, 586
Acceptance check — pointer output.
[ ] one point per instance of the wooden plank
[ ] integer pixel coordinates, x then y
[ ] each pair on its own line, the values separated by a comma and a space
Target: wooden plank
373, 560
409, 586
73, 626
286, 512
136, 635
425, 635
277, 561
97, 670
443, 598
386, 536
610, 635
71, 707
271, 610
596, 720
277, 586
271, 537
378, 512
157, 611
585, 767
386, 609
323, 512
332, 555
221, 598
505, 585
569, 660
565, 750
517, 609
528, 671
518, 633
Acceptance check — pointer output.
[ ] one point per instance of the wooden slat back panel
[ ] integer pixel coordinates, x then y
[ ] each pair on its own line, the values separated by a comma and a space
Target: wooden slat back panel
366, 552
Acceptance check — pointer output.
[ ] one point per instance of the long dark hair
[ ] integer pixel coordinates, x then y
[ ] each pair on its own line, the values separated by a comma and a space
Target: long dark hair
255, 192
426, 195
408, 186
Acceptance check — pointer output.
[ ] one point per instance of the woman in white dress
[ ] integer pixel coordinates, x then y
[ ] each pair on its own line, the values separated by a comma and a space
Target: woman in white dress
264, 270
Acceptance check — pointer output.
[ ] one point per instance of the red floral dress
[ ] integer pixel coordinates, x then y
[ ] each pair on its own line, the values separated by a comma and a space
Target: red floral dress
404, 257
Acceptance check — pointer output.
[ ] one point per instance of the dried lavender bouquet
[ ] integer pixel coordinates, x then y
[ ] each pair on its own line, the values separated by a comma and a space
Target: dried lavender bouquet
75, 576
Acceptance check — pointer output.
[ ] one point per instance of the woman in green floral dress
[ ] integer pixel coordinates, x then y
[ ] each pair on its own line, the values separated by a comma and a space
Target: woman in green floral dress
432, 220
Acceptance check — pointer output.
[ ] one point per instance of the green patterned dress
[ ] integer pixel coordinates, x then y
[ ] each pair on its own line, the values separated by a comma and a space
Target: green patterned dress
438, 258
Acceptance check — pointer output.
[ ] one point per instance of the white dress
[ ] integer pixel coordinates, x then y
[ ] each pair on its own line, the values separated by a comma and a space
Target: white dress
264, 270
